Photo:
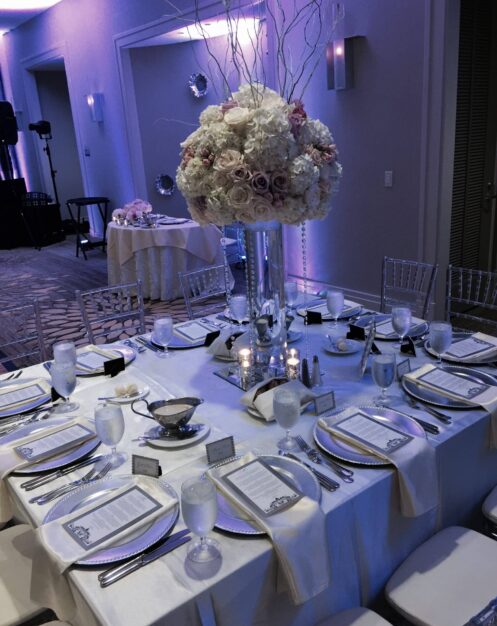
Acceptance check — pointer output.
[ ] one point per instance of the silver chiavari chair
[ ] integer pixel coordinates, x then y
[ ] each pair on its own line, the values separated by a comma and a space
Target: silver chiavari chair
22, 335
471, 299
410, 282
204, 290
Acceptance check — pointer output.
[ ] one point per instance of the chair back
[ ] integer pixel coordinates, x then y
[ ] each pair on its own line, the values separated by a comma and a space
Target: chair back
471, 299
410, 282
234, 244
204, 290
22, 335
112, 313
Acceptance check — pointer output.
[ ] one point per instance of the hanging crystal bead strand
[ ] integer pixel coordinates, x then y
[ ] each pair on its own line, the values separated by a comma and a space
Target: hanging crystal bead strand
303, 239
248, 238
227, 273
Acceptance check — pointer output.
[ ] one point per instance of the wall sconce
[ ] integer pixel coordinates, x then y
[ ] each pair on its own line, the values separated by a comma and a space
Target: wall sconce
340, 63
94, 102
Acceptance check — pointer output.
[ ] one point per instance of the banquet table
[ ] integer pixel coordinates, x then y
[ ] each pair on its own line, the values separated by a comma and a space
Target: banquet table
367, 536
156, 255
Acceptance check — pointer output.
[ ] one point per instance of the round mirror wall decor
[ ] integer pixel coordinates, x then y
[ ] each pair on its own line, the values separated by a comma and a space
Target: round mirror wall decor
165, 185
198, 84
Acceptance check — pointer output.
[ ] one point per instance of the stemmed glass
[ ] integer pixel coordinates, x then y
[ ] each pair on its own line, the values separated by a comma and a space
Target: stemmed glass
162, 335
239, 307
383, 371
286, 408
64, 352
291, 294
440, 337
199, 510
401, 321
109, 424
335, 302
63, 377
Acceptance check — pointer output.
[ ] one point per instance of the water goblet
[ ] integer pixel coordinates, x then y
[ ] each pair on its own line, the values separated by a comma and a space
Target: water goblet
440, 337
335, 302
286, 408
199, 510
401, 321
291, 294
239, 307
63, 377
64, 352
383, 371
109, 424
162, 335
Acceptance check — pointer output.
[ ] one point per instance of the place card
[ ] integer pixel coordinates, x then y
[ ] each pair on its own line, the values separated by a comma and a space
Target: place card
10, 397
324, 402
55, 443
55, 395
193, 331
356, 332
145, 466
470, 346
262, 488
371, 433
404, 367
408, 347
110, 518
455, 385
112, 367
220, 450
369, 332
375, 349
211, 337
313, 317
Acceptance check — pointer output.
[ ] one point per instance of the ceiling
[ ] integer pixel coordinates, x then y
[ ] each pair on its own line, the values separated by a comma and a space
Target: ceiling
15, 12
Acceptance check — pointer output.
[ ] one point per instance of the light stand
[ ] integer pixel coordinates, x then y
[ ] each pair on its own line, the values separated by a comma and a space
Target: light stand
44, 130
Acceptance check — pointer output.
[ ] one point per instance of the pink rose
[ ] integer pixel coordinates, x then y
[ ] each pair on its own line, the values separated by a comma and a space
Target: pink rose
279, 182
260, 182
228, 104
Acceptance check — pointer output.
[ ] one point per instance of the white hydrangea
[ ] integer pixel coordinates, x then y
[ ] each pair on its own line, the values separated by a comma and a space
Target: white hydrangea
303, 174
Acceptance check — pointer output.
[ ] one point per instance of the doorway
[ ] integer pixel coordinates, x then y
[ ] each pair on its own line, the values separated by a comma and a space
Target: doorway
473, 236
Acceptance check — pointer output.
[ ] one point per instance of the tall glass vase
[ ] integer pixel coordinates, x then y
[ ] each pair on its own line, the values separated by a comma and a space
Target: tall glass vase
266, 281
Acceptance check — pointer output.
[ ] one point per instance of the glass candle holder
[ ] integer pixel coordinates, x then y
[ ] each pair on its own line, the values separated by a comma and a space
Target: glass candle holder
245, 356
293, 368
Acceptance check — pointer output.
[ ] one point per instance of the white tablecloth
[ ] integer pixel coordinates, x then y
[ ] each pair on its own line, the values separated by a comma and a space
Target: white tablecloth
156, 255
368, 537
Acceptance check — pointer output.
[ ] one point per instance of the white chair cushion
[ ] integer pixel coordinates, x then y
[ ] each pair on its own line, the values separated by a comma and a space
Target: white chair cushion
447, 580
490, 506
355, 617
16, 549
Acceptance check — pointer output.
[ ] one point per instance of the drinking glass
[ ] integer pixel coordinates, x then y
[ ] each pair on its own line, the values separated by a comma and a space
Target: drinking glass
291, 294
335, 301
239, 307
440, 337
109, 424
199, 510
162, 335
401, 321
64, 352
63, 377
383, 370
286, 408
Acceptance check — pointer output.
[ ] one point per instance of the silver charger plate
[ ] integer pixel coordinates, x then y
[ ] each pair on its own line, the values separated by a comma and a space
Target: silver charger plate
178, 343
28, 405
353, 308
417, 331
66, 458
460, 336
350, 453
135, 543
232, 520
437, 399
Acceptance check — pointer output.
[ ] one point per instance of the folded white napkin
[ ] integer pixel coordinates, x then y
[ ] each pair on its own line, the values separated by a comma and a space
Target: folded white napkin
227, 344
55, 550
298, 536
484, 354
11, 461
487, 400
260, 396
415, 462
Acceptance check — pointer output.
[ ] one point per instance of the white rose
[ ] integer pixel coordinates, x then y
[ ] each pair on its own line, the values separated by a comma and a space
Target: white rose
237, 117
211, 114
227, 160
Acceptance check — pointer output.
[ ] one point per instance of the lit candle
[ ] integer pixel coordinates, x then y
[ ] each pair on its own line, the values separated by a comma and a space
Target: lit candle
293, 353
245, 356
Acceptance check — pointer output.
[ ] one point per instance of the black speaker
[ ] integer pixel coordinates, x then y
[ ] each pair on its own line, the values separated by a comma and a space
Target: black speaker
8, 124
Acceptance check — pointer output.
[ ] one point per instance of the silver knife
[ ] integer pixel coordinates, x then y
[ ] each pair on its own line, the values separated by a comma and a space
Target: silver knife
148, 344
34, 483
116, 573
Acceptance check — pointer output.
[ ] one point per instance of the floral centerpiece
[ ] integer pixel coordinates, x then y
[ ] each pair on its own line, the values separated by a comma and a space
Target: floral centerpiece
257, 158
132, 211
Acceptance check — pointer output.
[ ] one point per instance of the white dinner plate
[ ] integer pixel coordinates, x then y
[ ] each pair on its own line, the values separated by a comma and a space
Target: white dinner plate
352, 346
173, 444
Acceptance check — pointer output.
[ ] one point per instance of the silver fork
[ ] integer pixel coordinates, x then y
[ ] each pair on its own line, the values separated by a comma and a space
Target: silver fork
90, 477
438, 414
316, 457
132, 344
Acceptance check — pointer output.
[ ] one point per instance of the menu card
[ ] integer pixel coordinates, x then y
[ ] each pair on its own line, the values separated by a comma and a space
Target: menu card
455, 385
113, 516
51, 445
93, 360
262, 488
17, 395
470, 346
371, 433
194, 331
386, 329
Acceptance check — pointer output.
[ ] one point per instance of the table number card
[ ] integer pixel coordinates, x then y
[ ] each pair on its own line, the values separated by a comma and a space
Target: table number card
56, 443
356, 332
313, 317
456, 385
262, 488
112, 367
371, 433
110, 518
145, 466
324, 402
220, 450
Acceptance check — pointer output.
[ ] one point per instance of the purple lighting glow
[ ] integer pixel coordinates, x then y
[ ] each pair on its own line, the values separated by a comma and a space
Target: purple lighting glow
26, 5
